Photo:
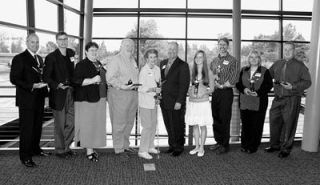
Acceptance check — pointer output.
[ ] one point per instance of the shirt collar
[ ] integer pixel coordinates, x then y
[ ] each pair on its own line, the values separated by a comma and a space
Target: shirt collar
31, 53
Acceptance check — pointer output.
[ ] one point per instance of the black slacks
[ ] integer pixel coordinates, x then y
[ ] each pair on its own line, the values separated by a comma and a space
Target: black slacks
252, 128
175, 125
30, 123
221, 107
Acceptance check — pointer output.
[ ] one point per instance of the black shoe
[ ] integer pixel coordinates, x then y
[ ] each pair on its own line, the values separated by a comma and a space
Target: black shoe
176, 153
169, 151
271, 149
130, 151
283, 154
29, 163
214, 147
123, 156
222, 150
251, 151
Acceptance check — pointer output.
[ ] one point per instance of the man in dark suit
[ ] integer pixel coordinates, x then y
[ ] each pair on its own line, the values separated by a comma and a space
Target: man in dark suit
175, 77
26, 75
58, 73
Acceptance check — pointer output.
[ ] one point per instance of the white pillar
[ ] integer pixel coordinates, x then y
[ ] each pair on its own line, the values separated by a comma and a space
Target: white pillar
311, 127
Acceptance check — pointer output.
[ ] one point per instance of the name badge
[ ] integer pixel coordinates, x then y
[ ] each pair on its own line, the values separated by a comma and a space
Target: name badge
225, 62
163, 67
150, 74
258, 75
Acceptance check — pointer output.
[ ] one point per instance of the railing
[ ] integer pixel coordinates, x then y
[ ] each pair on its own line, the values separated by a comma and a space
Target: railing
9, 131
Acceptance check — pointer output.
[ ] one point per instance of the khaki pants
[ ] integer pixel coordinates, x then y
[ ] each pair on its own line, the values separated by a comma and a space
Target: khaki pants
149, 123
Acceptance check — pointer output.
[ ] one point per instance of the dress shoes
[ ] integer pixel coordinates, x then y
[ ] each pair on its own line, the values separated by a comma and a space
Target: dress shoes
145, 155
153, 151
214, 147
244, 150
194, 151
62, 155
44, 154
130, 151
29, 163
71, 153
283, 154
222, 150
176, 153
271, 149
200, 153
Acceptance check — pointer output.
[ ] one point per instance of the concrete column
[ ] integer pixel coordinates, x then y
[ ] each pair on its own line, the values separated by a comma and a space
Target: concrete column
236, 52
87, 29
311, 128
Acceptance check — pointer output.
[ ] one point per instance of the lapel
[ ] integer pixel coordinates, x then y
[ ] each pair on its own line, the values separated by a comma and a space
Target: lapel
163, 68
31, 61
173, 66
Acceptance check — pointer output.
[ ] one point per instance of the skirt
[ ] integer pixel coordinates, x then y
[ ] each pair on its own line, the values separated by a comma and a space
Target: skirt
199, 113
90, 123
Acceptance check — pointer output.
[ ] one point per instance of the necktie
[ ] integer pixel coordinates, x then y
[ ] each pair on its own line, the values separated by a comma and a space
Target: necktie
35, 57
283, 72
167, 68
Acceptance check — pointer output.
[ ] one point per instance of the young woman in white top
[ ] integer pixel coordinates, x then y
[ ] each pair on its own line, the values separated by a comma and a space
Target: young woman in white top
199, 108
148, 78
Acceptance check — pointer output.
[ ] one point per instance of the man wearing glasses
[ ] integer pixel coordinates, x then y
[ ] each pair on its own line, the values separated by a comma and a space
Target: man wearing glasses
58, 73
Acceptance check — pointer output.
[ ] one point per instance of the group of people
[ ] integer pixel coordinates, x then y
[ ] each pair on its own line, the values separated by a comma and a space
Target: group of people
78, 92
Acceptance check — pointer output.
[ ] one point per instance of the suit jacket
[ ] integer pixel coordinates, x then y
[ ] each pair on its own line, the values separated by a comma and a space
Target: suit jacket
24, 73
90, 93
58, 69
176, 84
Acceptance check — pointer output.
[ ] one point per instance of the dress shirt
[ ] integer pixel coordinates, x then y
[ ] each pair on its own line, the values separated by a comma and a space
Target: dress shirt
120, 70
148, 78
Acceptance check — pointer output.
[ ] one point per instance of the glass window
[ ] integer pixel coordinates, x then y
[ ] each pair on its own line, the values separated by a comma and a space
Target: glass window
260, 4
110, 27
210, 4
270, 52
296, 30
74, 44
163, 4
209, 47
47, 43
12, 42
115, 3
162, 47
107, 49
74, 4
162, 27
260, 29
46, 12
18, 16
298, 5
71, 23
198, 28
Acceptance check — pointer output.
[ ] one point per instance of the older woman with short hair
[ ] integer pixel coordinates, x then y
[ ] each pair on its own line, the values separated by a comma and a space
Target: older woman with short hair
254, 84
90, 102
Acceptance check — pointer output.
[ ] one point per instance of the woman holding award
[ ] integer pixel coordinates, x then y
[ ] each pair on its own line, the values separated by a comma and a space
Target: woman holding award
199, 109
254, 84
90, 102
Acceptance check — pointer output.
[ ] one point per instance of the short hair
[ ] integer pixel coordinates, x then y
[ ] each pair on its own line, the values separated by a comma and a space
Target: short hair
60, 33
91, 45
32, 35
224, 39
256, 53
150, 51
175, 43
291, 43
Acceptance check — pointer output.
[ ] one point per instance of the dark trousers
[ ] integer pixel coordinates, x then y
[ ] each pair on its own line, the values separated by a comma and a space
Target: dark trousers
221, 107
284, 115
30, 123
175, 125
64, 125
252, 128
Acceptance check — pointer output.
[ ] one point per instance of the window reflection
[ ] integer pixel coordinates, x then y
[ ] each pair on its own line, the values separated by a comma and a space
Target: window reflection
46, 15
72, 3
200, 28
297, 5
113, 26
162, 27
71, 23
18, 16
260, 29
297, 30
260, 5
